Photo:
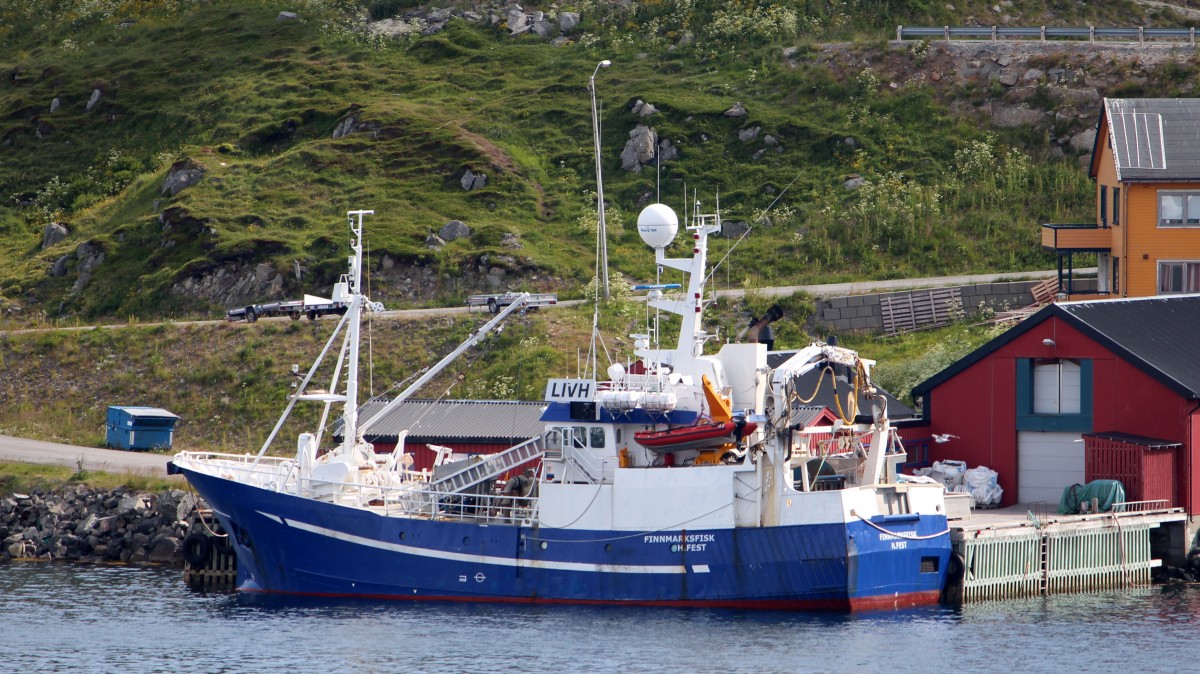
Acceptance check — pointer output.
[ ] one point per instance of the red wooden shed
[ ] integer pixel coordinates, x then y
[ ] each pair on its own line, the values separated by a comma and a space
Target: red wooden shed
1023, 403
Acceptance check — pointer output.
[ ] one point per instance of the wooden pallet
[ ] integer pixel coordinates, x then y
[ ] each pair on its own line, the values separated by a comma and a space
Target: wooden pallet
1044, 292
919, 309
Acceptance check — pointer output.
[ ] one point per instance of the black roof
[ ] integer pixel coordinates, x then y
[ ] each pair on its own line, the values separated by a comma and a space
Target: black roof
1155, 334
1153, 139
807, 383
481, 421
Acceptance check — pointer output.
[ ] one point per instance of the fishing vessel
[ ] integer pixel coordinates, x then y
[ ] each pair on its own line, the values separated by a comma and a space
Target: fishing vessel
768, 514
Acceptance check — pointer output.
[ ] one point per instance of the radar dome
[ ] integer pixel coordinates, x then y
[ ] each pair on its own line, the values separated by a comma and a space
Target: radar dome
657, 225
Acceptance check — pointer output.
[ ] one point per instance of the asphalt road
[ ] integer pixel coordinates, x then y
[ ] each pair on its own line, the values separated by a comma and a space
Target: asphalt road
820, 291
107, 460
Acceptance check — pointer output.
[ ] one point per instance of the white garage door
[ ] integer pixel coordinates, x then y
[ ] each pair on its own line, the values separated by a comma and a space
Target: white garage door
1047, 463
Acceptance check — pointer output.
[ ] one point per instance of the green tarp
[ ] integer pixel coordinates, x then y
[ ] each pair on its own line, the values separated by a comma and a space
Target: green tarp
1106, 493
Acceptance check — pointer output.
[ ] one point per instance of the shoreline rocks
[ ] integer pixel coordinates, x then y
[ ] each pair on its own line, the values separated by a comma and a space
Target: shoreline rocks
79, 523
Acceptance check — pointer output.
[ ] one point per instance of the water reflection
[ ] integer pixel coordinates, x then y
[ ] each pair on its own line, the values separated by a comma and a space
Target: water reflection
104, 619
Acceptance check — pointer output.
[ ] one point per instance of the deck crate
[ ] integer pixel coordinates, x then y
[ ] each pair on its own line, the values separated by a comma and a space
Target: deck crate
139, 427
1145, 466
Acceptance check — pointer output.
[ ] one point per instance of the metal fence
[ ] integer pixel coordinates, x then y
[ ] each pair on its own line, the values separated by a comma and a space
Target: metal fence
1044, 33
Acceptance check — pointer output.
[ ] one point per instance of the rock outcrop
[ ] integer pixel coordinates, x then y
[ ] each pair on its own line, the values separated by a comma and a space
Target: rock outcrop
182, 175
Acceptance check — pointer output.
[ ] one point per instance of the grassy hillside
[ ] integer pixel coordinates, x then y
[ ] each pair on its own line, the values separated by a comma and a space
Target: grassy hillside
254, 102
229, 382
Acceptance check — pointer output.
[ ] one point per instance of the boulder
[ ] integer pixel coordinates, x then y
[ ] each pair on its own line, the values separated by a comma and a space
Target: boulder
90, 257
736, 111
52, 233
1084, 141
640, 148
643, 109
286, 16
55, 105
347, 126
734, 229
434, 241
455, 229
518, 22
544, 29
568, 21
666, 150
854, 182
166, 551
95, 98
59, 268
746, 135
510, 240
473, 181
182, 175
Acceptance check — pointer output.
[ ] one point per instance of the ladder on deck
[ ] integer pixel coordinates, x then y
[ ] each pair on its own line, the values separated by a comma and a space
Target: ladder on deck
490, 467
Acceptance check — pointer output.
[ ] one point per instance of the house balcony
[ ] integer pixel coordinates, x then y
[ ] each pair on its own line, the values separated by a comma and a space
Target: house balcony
1077, 238
1069, 240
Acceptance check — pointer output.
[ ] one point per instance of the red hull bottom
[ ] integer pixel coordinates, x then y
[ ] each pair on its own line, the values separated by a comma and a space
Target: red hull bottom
881, 603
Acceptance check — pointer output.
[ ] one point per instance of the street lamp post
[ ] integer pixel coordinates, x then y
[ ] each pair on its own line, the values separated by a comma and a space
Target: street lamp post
603, 230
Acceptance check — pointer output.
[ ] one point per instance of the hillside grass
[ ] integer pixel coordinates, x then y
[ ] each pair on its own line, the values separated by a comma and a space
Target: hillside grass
229, 382
254, 101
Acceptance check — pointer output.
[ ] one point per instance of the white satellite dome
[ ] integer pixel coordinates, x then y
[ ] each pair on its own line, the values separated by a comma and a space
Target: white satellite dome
657, 225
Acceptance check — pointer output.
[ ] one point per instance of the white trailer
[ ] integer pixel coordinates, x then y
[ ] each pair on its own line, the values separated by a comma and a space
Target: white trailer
495, 303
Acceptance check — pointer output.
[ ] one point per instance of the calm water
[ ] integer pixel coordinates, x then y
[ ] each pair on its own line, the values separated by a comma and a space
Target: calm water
114, 619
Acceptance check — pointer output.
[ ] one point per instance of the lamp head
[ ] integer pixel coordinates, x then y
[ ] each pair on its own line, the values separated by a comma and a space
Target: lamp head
605, 63
1049, 342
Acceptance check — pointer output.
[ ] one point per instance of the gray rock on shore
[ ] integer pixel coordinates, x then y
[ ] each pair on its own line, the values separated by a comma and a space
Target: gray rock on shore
82, 524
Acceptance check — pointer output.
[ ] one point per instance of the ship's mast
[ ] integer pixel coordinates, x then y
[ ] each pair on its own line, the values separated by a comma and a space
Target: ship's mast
350, 434
690, 307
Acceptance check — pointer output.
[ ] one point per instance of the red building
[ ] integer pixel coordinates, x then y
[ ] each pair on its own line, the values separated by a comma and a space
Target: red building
1080, 391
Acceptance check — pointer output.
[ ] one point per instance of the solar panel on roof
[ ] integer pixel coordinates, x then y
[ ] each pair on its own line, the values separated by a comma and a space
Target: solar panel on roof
1138, 140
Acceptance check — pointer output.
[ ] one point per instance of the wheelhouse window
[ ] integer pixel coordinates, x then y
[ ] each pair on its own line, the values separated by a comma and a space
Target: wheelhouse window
1179, 209
1056, 387
1178, 277
578, 437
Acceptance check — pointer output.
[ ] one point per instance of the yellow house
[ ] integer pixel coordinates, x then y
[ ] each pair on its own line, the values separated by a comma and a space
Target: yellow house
1146, 237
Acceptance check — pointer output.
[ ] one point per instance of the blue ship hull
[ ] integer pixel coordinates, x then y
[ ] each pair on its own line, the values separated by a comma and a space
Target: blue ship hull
293, 545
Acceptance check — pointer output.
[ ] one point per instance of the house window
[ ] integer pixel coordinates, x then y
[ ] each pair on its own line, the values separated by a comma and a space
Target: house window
1103, 206
1178, 277
1116, 274
1054, 394
1178, 209
1116, 206
1056, 388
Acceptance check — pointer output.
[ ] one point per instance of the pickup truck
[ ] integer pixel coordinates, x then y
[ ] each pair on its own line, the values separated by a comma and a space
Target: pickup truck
495, 303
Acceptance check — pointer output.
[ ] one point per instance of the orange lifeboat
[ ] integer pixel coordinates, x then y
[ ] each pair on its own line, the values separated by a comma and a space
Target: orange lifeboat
698, 436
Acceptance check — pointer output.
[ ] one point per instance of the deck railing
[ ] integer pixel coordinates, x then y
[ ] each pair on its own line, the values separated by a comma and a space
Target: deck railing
1046, 33
390, 493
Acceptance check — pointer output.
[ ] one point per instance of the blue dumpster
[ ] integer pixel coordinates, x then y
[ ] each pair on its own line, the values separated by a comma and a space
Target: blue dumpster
139, 427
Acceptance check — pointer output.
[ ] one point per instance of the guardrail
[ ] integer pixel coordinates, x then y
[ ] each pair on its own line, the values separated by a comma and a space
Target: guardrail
1044, 33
